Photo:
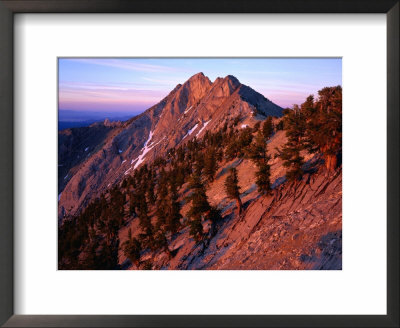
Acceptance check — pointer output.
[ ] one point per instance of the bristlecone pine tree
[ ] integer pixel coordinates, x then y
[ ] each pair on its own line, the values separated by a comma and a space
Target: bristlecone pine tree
132, 249
199, 207
268, 128
295, 128
257, 152
232, 188
144, 218
173, 211
162, 201
210, 164
324, 129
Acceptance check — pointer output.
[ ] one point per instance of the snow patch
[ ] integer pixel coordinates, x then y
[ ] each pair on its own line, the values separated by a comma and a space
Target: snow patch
188, 109
66, 177
190, 131
244, 126
146, 148
134, 160
127, 171
120, 151
204, 126
59, 196
87, 148
123, 161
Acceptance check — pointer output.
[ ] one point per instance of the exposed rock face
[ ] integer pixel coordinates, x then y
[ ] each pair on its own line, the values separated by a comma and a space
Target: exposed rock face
75, 146
298, 227
110, 151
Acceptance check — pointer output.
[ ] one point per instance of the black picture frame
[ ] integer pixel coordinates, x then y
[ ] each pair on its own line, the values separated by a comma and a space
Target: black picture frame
10, 7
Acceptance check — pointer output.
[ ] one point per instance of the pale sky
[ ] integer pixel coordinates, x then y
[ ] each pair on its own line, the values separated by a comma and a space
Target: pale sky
132, 85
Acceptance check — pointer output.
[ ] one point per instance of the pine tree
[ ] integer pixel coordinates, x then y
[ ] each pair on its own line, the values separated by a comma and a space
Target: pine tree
257, 152
210, 164
162, 202
161, 206
132, 248
232, 148
256, 127
150, 189
244, 140
232, 188
198, 165
268, 128
199, 206
295, 128
133, 203
324, 129
174, 210
144, 219
292, 160
263, 175
108, 257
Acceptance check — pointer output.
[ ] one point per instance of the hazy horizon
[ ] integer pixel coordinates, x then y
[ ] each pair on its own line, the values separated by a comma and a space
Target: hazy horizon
123, 86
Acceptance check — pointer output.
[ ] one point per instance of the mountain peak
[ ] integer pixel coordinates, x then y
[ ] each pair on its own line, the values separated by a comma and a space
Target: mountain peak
194, 88
199, 78
199, 74
232, 79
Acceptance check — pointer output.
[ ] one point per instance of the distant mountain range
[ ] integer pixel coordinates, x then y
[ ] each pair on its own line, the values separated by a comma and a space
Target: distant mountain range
75, 119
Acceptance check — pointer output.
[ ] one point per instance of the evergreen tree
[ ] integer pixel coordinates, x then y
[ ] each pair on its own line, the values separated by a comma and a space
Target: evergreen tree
256, 127
199, 206
244, 140
268, 128
279, 126
232, 148
198, 165
150, 188
292, 160
108, 257
295, 128
210, 164
174, 210
133, 203
263, 175
257, 152
232, 188
132, 248
144, 219
324, 128
162, 203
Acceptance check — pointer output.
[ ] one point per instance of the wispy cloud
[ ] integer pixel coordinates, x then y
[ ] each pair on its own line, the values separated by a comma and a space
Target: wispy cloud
125, 64
94, 95
164, 81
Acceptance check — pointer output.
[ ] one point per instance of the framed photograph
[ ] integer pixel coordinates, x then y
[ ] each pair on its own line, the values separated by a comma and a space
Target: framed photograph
204, 164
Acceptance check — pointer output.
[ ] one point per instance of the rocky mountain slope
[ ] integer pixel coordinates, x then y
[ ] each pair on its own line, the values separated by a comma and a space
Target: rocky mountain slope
298, 226
94, 159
